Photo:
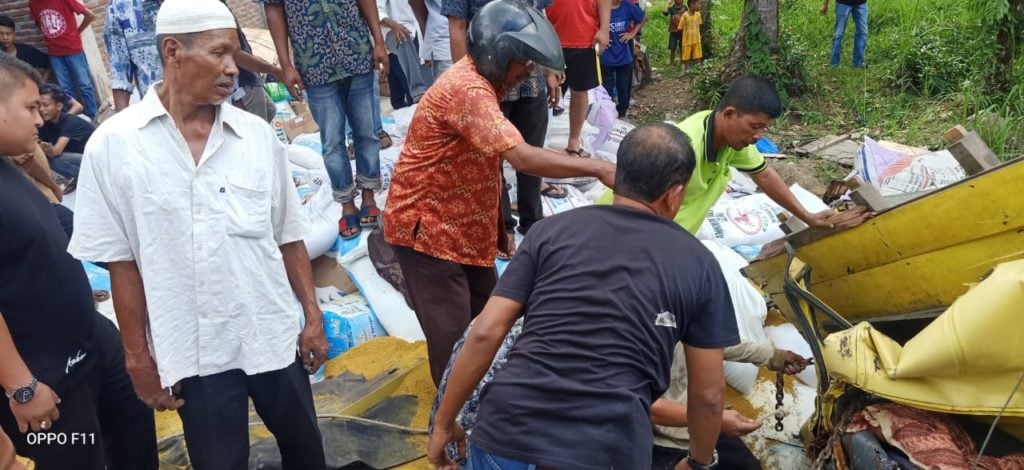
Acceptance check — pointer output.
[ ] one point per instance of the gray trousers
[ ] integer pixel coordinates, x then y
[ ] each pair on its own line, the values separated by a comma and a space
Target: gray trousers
419, 76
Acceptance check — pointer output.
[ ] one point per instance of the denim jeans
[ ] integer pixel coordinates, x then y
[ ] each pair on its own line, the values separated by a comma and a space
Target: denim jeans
618, 80
334, 105
860, 37
481, 460
72, 72
67, 164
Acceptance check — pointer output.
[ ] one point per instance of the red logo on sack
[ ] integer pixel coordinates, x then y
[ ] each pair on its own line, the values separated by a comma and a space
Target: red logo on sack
743, 220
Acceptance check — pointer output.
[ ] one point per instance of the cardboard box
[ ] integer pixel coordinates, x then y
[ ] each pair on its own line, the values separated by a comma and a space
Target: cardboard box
302, 123
328, 273
348, 322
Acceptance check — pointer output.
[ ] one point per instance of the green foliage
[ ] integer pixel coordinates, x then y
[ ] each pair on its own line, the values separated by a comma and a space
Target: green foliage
928, 64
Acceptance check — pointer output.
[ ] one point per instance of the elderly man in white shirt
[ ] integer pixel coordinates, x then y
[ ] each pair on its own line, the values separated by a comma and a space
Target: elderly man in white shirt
191, 202
402, 38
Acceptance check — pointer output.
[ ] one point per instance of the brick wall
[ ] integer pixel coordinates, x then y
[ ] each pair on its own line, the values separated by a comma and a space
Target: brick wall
249, 14
29, 33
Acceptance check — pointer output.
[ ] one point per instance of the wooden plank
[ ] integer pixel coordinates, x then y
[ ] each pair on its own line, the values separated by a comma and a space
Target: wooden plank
843, 153
821, 144
866, 195
972, 154
954, 134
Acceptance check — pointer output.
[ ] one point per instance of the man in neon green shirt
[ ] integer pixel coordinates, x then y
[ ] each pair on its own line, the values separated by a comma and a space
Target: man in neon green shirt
724, 137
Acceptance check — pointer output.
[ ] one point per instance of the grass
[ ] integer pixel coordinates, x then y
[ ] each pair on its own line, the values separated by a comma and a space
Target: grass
927, 68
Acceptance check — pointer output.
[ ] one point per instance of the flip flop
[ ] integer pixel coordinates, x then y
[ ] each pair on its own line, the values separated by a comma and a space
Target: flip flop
578, 153
369, 211
510, 250
554, 192
348, 222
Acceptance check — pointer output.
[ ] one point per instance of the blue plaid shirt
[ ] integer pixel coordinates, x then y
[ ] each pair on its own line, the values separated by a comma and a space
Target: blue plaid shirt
531, 87
130, 37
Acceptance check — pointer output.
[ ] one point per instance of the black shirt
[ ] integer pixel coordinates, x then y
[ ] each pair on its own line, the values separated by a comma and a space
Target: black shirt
32, 56
45, 297
73, 127
608, 292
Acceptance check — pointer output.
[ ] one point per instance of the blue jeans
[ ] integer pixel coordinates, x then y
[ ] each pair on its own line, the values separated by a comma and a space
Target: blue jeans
334, 105
72, 72
437, 67
67, 164
618, 80
860, 37
481, 460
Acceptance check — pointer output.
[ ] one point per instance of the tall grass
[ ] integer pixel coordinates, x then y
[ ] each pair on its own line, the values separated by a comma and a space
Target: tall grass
927, 67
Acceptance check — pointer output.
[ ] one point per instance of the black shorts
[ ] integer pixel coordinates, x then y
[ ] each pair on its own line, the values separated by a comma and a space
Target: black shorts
580, 69
674, 40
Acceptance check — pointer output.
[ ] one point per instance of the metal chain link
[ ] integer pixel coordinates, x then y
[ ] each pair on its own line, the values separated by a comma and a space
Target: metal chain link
827, 452
780, 383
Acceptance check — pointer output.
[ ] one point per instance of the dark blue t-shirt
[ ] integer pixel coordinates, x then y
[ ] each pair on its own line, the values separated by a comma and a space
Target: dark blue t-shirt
608, 292
623, 17
76, 129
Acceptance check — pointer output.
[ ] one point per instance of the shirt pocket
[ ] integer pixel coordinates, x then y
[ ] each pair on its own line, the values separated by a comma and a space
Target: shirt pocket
248, 209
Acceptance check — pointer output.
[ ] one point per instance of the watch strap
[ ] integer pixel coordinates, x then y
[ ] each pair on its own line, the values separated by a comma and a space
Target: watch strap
694, 465
31, 385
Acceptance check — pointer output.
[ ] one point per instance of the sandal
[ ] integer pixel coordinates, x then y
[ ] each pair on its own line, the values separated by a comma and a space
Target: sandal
368, 212
510, 250
347, 223
385, 140
553, 192
578, 153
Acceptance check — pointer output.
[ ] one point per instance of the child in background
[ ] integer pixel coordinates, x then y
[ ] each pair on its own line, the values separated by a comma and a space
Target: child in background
689, 26
674, 12
617, 61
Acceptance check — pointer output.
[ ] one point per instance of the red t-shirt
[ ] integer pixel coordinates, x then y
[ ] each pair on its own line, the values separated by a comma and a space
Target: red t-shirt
575, 21
56, 19
443, 199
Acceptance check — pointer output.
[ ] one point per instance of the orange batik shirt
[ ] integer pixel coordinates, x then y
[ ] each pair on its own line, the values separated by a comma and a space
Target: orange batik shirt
443, 200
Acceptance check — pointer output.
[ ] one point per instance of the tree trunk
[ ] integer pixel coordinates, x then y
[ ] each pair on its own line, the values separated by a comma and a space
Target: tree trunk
706, 43
1009, 39
758, 16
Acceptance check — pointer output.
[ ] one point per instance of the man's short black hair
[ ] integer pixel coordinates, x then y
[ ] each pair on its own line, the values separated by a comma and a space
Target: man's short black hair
7, 21
13, 74
751, 94
55, 92
651, 159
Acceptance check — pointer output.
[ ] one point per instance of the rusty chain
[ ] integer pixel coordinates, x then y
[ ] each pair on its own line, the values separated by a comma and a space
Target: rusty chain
780, 384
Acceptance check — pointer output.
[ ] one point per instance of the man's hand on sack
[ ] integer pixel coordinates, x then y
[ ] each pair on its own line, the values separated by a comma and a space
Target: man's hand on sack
313, 345
439, 439
146, 381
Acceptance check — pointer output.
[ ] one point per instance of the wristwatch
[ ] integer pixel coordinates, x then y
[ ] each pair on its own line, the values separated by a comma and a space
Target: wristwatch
694, 465
22, 395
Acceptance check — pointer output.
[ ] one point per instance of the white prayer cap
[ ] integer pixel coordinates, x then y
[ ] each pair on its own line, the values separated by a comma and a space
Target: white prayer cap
193, 16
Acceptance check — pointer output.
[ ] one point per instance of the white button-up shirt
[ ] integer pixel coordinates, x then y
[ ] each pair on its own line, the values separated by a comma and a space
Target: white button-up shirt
401, 12
205, 236
435, 44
